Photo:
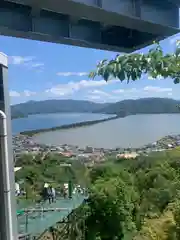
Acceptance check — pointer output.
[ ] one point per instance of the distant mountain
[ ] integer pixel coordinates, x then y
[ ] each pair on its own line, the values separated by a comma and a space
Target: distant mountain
56, 106
122, 108
142, 106
17, 114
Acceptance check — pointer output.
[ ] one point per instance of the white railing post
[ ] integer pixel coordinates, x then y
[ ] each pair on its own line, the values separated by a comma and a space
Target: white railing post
8, 218
6, 225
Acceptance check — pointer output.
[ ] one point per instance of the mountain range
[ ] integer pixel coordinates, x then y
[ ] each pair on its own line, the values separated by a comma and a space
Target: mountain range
123, 108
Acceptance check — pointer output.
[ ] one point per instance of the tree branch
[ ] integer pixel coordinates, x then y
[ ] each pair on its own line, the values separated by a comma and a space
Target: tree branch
131, 67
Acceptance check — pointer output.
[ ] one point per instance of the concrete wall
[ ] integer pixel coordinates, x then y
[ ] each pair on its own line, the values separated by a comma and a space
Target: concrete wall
125, 7
16, 19
51, 23
159, 11
86, 31
119, 6
88, 2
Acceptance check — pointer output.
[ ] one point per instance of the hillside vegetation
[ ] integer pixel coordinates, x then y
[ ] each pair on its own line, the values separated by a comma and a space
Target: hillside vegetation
56, 106
135, 199
127, 107
36, 170
142, 106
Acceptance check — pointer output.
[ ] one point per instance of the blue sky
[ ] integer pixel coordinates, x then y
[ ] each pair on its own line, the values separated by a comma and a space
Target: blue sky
39, 71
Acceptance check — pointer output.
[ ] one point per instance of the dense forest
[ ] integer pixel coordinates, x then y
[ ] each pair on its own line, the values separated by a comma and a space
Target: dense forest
128, 199
135, 199
127, 107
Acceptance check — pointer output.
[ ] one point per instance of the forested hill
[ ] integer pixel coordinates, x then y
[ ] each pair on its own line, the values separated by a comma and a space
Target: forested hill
125, 107
142, 106
56, 106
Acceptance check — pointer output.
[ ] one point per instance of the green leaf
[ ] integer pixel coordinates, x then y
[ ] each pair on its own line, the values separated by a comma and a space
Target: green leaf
176, 80
132, 66
106, 75
121, 75
177, 52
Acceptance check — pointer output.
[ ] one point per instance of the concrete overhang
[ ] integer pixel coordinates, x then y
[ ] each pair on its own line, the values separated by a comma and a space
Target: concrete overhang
140, 31
176, 2
95, 14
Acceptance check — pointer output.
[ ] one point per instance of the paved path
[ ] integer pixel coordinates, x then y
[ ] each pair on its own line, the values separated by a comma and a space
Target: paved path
38, 222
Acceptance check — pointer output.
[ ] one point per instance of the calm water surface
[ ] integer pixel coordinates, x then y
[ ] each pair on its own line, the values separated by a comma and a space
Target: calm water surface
131, 131
52, 120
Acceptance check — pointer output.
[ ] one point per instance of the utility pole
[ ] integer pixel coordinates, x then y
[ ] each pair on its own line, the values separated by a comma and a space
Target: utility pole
8, 219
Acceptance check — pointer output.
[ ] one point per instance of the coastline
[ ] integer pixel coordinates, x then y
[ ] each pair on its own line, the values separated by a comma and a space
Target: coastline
26, 144
69, 126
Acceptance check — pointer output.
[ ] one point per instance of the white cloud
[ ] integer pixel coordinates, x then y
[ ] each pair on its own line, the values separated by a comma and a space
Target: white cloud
14, 94
71, 87
120, 91
100, 98
100, 95
68, 74
25, 93
99, 92
92, 91
148, 91
28, 93
157, 89
103, 96
19, 60
88, 83
60, 91
96, 93
37, 65
133, 90
27, 61
93, 97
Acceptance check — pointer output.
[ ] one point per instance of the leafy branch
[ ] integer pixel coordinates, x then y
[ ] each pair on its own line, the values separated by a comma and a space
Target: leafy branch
131, 67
